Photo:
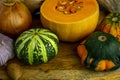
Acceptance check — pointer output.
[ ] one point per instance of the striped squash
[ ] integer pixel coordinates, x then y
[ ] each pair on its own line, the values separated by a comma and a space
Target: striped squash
36, 46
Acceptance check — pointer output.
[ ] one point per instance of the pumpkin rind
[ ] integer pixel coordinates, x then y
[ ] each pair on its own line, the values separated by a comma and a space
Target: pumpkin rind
71, 27
111, 24
36, 46
103, 49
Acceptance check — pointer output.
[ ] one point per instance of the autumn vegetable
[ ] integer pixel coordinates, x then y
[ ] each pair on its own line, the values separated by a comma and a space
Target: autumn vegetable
110, 5
111, 24
6, 49
36, 46
100, 52
33, 4
71, 20
14, 17
14, 71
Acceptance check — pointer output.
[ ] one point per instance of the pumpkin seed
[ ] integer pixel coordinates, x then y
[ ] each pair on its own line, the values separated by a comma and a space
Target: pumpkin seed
60, 8
73, 10
69, 6
66, 12
78, 5
72, 2
62, 2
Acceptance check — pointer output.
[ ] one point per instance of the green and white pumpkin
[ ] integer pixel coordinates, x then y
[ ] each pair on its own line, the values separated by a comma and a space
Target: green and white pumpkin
36, 46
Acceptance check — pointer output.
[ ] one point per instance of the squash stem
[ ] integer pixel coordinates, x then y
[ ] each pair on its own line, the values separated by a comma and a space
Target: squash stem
115, 19
102, 38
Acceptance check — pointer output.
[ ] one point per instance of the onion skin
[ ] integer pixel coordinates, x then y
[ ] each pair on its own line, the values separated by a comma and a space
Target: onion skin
14, 19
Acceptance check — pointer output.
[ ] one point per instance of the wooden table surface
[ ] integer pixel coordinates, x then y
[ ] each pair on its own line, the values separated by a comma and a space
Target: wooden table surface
65, 66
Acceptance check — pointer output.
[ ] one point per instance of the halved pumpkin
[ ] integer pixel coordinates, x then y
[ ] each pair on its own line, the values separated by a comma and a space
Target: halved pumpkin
69, 23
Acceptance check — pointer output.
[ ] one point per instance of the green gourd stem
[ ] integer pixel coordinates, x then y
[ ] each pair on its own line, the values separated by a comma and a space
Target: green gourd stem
114, 19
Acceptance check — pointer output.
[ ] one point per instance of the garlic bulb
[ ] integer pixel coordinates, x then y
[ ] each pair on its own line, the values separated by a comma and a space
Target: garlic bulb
6, 49
111, 5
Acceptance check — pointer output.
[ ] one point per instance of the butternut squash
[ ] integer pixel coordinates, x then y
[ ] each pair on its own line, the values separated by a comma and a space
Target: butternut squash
71, 20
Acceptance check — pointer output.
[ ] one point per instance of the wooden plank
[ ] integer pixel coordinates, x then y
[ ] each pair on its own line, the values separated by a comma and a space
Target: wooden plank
65, 66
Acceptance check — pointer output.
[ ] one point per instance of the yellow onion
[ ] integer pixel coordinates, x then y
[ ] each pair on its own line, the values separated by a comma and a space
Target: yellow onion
15, 17
32, 4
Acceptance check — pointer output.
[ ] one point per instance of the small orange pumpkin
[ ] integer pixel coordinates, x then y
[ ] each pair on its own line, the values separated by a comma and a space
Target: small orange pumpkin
111, 25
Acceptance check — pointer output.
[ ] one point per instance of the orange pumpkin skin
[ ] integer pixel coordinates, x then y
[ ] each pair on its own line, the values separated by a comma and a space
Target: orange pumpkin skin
111, 25
104, 65
82, 52
71, 27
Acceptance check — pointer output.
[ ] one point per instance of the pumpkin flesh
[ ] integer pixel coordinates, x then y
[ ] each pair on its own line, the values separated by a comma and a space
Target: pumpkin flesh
71, 27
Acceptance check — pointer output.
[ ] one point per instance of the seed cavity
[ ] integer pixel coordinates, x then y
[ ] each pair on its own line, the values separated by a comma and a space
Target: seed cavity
69, 6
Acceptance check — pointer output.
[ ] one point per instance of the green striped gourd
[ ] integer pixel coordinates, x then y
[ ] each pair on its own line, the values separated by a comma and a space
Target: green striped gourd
36, 46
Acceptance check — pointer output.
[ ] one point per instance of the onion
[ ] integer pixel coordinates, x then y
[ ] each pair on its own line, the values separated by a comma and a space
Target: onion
32, 4
15, 17
6, 49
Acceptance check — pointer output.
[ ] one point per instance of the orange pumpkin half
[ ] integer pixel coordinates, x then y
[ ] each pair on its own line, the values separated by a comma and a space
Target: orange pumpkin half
71, 20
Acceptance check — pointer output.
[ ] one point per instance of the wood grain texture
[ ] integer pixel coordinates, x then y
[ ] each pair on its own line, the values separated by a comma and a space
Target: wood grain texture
65, 66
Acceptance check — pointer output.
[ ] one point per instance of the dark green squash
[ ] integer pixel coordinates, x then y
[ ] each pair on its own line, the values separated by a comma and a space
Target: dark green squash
102, 52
